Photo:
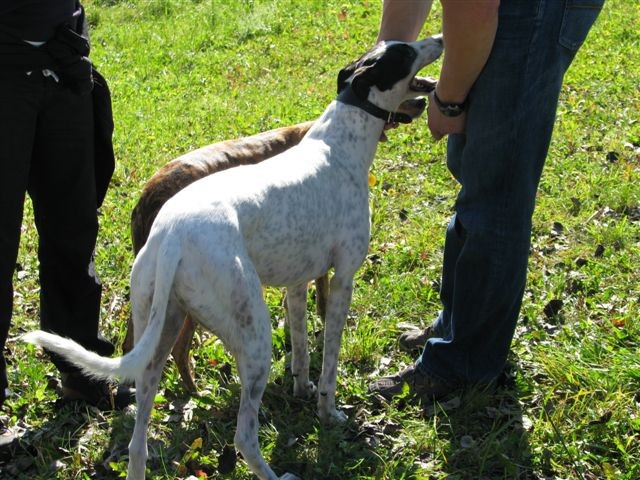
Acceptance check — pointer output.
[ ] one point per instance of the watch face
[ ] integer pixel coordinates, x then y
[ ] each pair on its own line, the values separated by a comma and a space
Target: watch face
452, 110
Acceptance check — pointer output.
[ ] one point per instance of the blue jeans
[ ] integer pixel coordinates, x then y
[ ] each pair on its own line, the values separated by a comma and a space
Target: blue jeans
498, 162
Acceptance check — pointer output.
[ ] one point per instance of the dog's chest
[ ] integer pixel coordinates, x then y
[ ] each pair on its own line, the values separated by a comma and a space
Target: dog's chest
298, 233
304, 250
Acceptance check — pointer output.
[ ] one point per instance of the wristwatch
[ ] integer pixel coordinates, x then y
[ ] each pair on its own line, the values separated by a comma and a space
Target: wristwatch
450, 109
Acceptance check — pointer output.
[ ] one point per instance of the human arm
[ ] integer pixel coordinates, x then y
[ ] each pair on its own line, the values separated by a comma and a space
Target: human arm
469, 29
403, 19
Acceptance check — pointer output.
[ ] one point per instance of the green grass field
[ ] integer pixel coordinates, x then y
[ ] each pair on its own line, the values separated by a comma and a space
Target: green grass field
186, 73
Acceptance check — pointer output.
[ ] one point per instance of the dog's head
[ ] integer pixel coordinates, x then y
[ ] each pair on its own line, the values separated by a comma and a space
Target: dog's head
385, 75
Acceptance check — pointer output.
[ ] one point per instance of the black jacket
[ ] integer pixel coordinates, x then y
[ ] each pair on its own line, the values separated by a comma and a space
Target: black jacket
67, 55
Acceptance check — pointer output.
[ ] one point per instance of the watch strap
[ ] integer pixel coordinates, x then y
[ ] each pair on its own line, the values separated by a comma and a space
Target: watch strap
450, 109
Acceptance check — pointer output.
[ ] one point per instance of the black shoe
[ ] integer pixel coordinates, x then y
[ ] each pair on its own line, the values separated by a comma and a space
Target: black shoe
422, 386
101, 394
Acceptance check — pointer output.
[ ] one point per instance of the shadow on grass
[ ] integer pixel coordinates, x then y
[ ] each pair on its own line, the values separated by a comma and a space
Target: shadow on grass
305, 446
484, 436
46, 450
487, 436
75, 437
292, 438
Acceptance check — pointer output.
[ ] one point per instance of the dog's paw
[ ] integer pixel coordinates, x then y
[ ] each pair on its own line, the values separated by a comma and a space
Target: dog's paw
289, 476
304, 389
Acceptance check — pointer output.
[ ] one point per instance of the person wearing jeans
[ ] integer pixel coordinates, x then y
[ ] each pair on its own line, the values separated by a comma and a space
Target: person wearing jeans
496, 99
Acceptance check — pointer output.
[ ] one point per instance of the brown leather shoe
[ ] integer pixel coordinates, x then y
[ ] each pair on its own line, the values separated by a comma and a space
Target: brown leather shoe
422, 386
101, 394
414, 339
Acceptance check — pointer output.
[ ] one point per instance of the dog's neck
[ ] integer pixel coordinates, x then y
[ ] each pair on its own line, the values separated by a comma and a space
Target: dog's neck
349, 97
351, 134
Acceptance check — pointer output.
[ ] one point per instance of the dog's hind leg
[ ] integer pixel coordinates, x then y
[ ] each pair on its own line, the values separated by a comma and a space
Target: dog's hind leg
340, 291
251, 345
297, 315
254, 363
253, 368
146, 388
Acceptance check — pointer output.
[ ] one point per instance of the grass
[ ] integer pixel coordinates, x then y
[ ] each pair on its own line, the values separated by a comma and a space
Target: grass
185, 73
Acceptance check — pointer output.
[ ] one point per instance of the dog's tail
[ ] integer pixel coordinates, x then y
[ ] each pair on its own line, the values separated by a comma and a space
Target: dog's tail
131, 365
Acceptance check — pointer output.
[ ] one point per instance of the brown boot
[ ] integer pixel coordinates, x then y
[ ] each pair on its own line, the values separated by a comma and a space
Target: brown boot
414, 339
422, 386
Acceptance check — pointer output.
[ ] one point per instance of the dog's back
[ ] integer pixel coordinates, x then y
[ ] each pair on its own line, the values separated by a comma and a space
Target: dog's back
288, 213
192, 166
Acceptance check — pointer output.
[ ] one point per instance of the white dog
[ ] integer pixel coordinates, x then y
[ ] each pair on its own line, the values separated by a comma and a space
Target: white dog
282, 222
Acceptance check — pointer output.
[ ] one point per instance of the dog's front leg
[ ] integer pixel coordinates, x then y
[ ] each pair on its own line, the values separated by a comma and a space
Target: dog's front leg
297, 316
341, 288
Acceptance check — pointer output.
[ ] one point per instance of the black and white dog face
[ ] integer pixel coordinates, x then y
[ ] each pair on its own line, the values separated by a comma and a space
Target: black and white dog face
385, 75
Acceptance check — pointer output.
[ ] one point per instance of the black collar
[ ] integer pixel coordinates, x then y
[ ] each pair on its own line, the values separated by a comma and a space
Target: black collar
349, 97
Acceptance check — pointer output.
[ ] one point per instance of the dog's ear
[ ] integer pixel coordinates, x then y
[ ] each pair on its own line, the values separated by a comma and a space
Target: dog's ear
353, 70
364, 78
361, 81
344, 75
357, 73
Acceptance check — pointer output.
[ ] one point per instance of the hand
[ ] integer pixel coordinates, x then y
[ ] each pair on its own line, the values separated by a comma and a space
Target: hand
441, 125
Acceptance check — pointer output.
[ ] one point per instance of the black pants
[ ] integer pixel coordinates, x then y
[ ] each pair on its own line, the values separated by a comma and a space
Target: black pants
46, 150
